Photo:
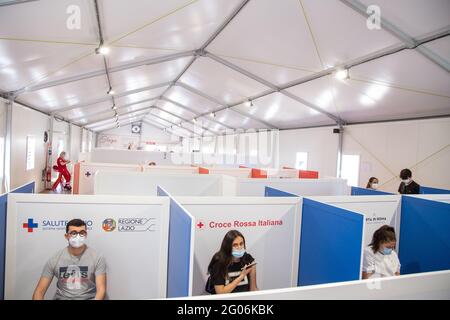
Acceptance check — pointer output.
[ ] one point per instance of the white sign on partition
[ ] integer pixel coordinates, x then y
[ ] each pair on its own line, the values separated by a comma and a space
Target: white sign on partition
378, 211
271, 231
131, 233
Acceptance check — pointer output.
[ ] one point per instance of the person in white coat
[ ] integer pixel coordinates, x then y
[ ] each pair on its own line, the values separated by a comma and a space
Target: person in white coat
380, 259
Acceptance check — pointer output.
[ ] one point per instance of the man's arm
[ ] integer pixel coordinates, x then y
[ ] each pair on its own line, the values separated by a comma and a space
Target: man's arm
41, 288
100, 284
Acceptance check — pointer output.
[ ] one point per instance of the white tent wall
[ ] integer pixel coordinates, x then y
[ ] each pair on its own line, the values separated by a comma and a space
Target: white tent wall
87, 140
255, 149
60, 142
321, 144
140, 157
3, 116
385, 148
27, 122
120, 138
75, 143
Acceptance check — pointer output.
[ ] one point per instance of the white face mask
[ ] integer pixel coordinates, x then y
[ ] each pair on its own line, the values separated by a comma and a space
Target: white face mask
406, 181
374, 185
77, 242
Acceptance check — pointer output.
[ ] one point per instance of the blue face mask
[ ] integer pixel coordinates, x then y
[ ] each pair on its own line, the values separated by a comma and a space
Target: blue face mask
238, 253
387, 251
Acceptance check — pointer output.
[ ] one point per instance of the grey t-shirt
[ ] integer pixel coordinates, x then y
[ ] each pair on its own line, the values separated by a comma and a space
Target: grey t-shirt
75, 274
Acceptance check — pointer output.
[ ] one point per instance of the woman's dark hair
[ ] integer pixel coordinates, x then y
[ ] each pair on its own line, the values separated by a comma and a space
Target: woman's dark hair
75, 223
405, 174
223, 258
369, 184
383, 234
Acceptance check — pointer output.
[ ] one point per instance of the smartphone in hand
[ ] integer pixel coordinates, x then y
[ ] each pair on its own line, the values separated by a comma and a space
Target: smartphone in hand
249, 266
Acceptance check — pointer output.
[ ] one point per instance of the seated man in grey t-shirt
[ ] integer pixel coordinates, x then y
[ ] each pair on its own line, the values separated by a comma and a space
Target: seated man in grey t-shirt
80, 271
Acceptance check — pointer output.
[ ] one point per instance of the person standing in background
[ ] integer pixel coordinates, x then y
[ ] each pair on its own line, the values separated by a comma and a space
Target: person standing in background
61, 167
372, 184
408, 185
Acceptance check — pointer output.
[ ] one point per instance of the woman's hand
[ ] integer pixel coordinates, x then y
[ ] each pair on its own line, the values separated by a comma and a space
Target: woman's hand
245, 271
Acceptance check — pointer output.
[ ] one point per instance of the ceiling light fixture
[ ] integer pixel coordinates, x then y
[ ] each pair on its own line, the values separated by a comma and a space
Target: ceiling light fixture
341, 74
102, 50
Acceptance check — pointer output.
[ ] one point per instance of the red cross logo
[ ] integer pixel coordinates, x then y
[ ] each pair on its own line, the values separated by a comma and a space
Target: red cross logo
200, 225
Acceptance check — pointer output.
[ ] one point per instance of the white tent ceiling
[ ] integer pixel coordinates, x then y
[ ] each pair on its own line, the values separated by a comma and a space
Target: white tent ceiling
173, 61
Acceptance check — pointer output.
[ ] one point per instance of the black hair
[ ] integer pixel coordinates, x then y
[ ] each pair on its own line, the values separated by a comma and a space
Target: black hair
75, 223
405, 174
222, 259
369, 184
383, 234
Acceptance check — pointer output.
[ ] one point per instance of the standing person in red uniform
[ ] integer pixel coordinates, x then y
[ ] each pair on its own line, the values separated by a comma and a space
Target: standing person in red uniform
61, 164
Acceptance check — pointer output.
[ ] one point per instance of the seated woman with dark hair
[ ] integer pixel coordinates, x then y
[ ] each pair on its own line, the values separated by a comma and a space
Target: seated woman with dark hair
380, 259
232, 269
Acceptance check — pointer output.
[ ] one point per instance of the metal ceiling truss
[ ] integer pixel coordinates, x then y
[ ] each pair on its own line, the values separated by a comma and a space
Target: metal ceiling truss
172, 124
127, 122
207, 43
198, 115
219, 103
122, 107
101, 72
120, 115
154, 125
409, 41
104, 99
171, 131
12, 3
183, 119
272, 86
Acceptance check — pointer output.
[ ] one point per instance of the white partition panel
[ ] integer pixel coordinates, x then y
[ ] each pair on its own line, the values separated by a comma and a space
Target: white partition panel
138, 183
170, 169
88, 170
282, 173
134, 242
270, 227
228, 186
378, 210
234, 172
84, 156
422, 286
301, 187
140, 157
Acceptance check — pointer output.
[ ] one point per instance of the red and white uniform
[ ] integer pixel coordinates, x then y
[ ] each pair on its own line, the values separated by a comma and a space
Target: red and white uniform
63, 172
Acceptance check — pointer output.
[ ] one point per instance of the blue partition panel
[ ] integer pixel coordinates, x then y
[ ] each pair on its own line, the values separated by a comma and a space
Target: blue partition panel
272, 192
330, 245
424, 235
161, 192
356, 191
28, 188
3, 205
178, 262
429, 190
